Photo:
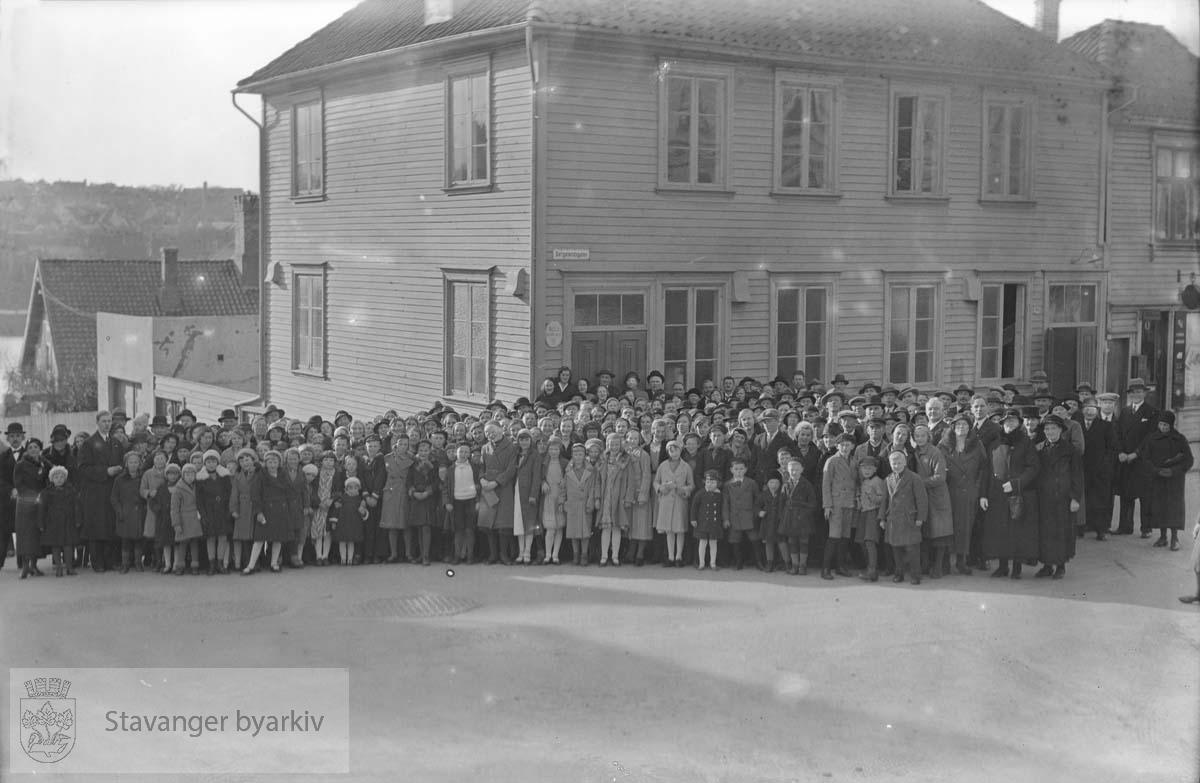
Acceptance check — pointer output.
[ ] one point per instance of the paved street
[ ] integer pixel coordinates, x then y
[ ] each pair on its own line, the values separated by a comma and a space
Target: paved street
563, 674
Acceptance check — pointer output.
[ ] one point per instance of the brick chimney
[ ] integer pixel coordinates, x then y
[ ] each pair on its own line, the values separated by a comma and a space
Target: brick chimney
170, 300
1045, 18
245, 239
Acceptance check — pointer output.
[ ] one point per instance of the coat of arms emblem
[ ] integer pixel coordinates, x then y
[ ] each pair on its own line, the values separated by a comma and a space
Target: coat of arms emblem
47, 719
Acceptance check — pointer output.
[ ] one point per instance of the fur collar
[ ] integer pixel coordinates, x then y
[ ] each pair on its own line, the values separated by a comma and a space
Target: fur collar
203, 474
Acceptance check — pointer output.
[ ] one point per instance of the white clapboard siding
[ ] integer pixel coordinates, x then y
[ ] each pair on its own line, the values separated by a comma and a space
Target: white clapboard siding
40, 425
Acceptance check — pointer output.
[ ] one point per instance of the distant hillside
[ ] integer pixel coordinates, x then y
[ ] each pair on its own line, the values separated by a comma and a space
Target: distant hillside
102, 220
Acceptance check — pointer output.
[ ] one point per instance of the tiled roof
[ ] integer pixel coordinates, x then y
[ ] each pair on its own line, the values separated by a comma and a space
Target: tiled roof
1166, 74
953, 34
73, 291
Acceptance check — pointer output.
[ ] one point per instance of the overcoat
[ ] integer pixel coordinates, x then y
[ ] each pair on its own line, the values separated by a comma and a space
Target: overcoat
241, 502
274, 498
1013, 459
1099, 469
185, 517
395, 490
500, 466
59, 516
152, 479
708, 512
552, 515
798, 509
422, 478
29, 479
905, 502
527, 488
931, 467
1133, 478
839, 482
639, 475
614, 491
128, 506
96, 456
1166, 451
213, 491
580, 495
1060, 480
673, 490
967, 478
347, 520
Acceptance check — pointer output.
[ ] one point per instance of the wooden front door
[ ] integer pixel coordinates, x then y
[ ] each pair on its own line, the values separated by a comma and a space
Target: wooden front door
618, 351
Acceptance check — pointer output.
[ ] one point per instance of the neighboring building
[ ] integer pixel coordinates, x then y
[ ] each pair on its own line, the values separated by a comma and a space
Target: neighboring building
1152, 226
205, 363
897, 191
61, 333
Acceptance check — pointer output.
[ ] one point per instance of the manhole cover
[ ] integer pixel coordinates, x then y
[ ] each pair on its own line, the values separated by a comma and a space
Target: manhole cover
221, 611
422, 605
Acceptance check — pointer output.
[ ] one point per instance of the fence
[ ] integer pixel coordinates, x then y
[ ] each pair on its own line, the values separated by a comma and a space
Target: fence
39, 425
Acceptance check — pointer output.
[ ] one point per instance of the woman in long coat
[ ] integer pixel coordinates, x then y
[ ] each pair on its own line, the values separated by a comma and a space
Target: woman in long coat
393, 516
1014, 471
214, 486
1059, 490
130, 510
496, 487
640, 475
271, 496
580, 499
59, 521
30, 475
528, 488
967, 478
938, 531
1167, 459
673, 488
241, 504
553, 518
185, 519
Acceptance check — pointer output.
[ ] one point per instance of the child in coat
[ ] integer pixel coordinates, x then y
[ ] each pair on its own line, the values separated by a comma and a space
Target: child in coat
839, 484
741, 512
580, 498
797, 512
460, 494
58, 520
164, 529
126, 498
347, 518
614, 499
214, 485
768, 521
422, 503
867, 521
553, 517
153, 478
708, 518
185, 518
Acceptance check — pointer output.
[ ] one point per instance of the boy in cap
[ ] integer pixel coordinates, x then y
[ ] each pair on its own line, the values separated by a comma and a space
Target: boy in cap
708, 519
839, 483
867, 520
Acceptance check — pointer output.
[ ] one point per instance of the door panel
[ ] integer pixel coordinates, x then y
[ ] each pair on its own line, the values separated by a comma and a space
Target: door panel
629, 353
1118, 373
587, 354
618, 351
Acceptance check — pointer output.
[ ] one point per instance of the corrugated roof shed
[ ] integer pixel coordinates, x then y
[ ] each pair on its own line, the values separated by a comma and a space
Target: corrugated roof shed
954, 34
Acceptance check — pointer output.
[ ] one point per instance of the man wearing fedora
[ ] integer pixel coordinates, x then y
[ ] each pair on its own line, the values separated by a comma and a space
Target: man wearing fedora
1137, 420
99, 461
14, 437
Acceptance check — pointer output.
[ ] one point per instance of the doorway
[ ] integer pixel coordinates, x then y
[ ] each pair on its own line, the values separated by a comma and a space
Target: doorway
619, 352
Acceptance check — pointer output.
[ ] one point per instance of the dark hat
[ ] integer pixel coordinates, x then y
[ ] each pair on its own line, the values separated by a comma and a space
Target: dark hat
962, 417
858, 401
609, 373
314, 421
1012, 387
1039, 377
1085, 387
770, 413
15, 429
1043, 394
806, 395
994, 398
372, 438
944, 395
187, 412
869, 459
522, 402
60, 432
1055, 420
119, 412
909, 390
1021, 400
870, 386
1030, 412
962, 387
834, 429
839, 378
1168, 417
1136, 384
712, 474
159, 421
847, 413
827, 396
272, 408
497, 405
877, 421
780, 379
227, 415
889, 390
872, 401
341, 415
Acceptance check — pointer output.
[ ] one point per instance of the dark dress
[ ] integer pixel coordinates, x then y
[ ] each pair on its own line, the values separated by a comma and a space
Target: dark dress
967, 476
29, 479
797, 509
212, 498
347, 520
422, 477
707, 512
128, 507
1013, 459
1169, 452
164, 530
59, 511
1060, 480
273, 497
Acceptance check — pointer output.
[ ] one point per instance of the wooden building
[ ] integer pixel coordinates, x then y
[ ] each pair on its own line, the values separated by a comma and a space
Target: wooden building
459, 197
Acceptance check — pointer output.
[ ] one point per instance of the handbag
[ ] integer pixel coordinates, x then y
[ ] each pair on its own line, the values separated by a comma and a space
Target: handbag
1015, 507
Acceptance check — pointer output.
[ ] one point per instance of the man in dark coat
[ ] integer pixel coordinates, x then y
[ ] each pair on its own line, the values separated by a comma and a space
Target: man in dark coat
766, 444
14, 437
500, 458
1136, 420
1099, 467
373, 472
99, 463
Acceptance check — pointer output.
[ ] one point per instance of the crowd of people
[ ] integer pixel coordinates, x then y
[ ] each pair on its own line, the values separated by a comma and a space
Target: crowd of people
789, 474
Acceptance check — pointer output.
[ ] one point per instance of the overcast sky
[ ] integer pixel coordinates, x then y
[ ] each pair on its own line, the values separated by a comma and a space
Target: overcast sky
137, 91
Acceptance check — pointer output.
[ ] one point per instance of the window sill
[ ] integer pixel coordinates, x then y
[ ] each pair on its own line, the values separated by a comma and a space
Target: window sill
308, 198
1002, 202
458, 399
898, 198
461, 190
803, 194
315, 375
694, 190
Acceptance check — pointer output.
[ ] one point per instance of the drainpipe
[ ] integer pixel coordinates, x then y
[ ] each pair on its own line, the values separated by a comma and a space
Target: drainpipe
536, 297
263, 264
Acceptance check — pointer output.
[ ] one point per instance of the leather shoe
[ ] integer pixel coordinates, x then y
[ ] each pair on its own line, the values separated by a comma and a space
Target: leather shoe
1045, 571
1145, 533
898, 578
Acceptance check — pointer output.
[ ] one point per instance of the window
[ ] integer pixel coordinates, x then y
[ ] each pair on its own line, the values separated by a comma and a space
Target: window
804, 137
1007, 149
610, 310
1176, 194
126, 395
918, 140
308, 149
308, 322
1072, 304
693, 137
167, 407
469, 131
1001, 330
691, 334
802, 330
912, 342
468, 335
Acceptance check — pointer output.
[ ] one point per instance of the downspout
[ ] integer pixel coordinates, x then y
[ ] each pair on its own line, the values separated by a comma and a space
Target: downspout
536, 295
263, 321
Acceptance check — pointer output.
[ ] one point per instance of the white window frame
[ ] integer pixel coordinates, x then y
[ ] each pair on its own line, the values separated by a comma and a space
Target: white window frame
922, 93
299, 191
669, 69
1007, 102
829, 286
452, 278
939, 316
468, 69
1175, 144
807, 82
657, 354
1051, 282
1021, 338
302, 273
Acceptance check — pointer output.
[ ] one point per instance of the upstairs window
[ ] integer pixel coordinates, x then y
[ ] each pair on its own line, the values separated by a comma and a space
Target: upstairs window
469, 127
1176, 194
804, 136
1007, 150
308, 149
918, 142
694, 121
